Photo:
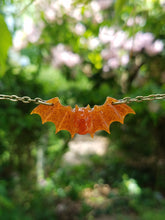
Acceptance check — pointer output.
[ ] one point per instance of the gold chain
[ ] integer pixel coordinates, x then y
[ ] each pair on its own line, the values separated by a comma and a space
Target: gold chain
24, 99
140, 99
126, 100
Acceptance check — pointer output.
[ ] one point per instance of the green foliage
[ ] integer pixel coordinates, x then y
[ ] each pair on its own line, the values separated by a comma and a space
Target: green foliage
5, 43
155, 214
119, 4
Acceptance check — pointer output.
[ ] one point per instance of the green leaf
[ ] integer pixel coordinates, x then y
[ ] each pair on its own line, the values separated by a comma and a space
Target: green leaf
5, 43
119, 4
84, 2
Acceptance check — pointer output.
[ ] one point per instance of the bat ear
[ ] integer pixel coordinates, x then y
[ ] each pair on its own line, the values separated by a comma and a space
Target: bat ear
88, 107
76, 107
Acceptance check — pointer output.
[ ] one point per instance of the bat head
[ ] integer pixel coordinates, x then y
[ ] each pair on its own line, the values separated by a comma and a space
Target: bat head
83, 120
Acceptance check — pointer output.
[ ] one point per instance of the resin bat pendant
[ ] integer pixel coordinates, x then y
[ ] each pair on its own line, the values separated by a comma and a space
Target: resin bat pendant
82, 120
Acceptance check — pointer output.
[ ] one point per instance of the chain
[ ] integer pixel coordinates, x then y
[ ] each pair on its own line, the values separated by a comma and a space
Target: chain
24, 99
126, 100
140, 99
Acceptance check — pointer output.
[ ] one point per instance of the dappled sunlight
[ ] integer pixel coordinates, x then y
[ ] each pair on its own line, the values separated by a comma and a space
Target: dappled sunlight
98, 196
83, 146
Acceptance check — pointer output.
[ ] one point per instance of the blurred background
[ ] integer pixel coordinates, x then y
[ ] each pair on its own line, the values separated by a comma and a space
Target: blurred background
82, 52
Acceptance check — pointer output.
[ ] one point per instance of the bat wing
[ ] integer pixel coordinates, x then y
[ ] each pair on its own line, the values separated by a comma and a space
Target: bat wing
104, 115
61, 116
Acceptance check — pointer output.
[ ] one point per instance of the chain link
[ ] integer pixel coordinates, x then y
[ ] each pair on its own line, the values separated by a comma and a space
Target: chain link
24, 99
126, 100
151, 97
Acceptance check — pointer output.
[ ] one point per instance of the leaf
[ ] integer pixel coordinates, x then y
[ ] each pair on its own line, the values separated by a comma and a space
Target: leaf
76, 2
82, 120
5, 43
119, 4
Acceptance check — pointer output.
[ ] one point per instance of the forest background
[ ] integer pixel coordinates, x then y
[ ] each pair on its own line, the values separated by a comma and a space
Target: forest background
82, 52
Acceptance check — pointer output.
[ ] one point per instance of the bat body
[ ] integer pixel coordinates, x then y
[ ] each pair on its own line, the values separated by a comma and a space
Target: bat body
83, 120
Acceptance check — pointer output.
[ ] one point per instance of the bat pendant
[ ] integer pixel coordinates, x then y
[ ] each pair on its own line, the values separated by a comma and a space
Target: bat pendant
82, 120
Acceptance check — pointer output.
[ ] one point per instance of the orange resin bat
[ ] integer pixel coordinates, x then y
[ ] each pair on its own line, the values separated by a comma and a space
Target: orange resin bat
82, 120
